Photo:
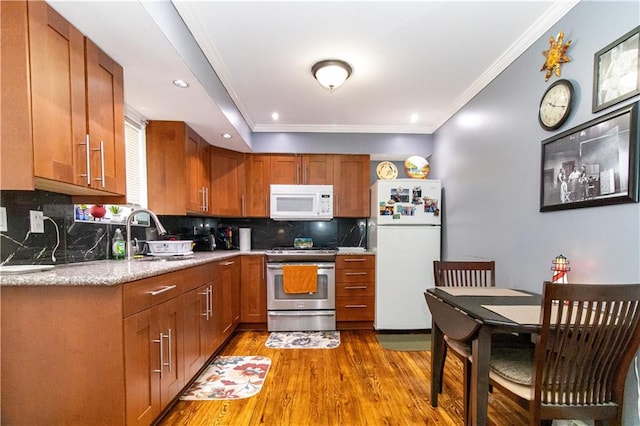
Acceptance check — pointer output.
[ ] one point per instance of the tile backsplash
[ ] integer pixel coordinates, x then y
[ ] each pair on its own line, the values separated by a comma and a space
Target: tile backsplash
66, 241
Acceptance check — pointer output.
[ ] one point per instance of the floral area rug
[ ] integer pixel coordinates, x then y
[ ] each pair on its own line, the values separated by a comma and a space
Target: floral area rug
304, 340
230, 377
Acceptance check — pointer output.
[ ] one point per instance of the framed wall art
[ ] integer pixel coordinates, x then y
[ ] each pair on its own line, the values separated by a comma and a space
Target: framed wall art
616, 67
593, 164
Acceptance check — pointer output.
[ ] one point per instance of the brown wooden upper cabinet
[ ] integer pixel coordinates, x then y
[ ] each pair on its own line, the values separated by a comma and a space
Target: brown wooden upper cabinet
307, 169
228, 195
257, 185
348, 173
178, 169
68, 98
351, 186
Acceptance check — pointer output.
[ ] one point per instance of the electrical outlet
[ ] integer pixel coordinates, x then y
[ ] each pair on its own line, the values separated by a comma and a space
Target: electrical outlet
3, 219
37, 221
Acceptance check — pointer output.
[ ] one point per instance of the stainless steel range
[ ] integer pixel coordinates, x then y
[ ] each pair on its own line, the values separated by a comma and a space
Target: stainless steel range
308, 311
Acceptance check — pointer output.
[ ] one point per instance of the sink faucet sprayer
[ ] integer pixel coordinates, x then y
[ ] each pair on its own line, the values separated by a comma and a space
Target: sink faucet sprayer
159, 227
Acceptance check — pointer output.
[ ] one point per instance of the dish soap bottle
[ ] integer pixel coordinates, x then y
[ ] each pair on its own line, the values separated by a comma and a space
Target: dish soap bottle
118, 246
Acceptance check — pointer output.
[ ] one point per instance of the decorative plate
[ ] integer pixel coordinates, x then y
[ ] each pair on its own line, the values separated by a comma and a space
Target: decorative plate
417, 167
387, 170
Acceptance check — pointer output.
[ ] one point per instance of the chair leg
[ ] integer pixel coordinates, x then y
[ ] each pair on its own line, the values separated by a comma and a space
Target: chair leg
466, 391
441, 366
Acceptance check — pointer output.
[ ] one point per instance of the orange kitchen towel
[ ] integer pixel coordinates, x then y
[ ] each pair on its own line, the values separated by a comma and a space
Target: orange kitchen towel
300, 278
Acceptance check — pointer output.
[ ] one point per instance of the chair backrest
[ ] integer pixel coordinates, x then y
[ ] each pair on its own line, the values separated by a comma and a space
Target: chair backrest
464, 273
590, 334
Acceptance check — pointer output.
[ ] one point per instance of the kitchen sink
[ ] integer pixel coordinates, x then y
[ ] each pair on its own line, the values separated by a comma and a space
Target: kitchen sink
24, 269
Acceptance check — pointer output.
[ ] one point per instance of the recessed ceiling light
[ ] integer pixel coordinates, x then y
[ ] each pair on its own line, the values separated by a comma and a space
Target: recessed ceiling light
226, 136
275, 115
414, 118
181, 83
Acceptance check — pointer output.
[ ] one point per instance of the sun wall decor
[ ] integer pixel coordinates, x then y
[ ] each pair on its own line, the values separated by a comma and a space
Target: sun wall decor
556, 55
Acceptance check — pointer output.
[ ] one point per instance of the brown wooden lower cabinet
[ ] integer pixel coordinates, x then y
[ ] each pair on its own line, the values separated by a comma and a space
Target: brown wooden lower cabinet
253, 290
355, 288
111, 354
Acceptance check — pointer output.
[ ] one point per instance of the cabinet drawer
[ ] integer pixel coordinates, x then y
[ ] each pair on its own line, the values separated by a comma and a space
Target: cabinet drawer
355, 275
355, 308
193, 278
355, 262
142, 294
355, 289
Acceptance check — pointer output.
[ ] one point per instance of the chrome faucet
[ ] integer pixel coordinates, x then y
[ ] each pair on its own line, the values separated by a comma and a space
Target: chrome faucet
159, 227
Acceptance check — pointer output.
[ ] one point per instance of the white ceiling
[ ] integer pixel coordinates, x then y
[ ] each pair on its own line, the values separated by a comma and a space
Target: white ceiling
419, 57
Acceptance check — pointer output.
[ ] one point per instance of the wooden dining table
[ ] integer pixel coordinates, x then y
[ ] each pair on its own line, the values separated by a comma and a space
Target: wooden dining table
472, 315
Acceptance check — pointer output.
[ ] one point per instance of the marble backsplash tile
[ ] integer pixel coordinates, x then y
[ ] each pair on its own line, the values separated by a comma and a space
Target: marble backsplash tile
67, 241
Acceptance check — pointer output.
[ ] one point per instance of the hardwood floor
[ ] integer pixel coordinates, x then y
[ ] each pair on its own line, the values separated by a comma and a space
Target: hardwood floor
358, 383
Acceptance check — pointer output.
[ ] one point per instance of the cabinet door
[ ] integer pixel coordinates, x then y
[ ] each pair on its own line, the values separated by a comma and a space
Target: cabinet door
214, 319
171, 326
105, 120
195, 194
57, 97
15, 100
317, 169
285, 169
142, 367
227, 183
258, 181
235, 290
351, 186
194, 305
204, 157
166, 171
253, 290
226, 311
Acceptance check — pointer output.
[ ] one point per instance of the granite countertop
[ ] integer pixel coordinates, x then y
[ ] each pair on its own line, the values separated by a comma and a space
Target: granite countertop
114, 272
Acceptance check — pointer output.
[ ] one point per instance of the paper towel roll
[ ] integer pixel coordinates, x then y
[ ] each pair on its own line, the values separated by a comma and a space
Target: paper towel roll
245, 239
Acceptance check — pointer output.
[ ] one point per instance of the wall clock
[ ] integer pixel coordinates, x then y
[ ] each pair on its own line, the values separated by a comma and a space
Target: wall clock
387, 170
556, 105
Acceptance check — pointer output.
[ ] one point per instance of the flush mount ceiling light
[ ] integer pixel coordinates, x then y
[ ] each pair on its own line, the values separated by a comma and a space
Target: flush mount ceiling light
331, 73
181, 83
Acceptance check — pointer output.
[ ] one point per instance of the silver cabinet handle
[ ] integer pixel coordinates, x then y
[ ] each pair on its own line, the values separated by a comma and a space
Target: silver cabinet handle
206, 302
356, 287
159, 341
355, 306
243, 207
355, 273
210, 290
169, 346
231, 262
101, 149
358, 259
162, 290
87, 159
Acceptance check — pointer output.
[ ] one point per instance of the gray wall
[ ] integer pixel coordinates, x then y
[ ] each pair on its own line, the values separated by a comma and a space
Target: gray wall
491, 173
343, 143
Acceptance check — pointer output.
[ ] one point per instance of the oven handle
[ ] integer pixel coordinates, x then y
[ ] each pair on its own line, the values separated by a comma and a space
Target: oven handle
279, 266
301, 314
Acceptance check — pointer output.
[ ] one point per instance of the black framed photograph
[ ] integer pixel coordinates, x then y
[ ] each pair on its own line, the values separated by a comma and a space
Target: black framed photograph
593, 164
616, 75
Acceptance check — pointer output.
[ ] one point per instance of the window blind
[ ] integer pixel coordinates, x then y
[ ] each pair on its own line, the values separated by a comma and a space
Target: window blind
136, 159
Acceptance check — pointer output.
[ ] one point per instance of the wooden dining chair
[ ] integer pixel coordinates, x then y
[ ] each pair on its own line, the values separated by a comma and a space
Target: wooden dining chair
462, 274
589, 336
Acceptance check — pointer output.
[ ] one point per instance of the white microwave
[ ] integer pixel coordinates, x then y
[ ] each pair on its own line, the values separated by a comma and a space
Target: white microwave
301, 202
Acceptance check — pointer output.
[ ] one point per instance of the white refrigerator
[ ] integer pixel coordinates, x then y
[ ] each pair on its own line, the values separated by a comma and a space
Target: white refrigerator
404, 232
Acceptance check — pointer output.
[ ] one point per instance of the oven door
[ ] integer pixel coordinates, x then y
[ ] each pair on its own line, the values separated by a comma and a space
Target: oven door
324, 298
